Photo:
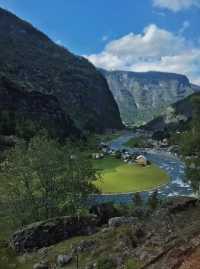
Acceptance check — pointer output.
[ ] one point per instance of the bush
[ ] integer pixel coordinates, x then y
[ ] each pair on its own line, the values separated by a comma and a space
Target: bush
132, 264
106, 263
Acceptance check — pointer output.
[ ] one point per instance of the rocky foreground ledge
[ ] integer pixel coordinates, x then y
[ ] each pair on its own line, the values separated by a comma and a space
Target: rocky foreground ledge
47, 233
168, 238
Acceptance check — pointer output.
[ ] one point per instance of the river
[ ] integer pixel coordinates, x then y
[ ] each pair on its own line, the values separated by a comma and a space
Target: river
177, 186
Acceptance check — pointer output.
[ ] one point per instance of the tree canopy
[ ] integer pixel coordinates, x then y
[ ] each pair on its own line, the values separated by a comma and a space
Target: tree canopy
44, 179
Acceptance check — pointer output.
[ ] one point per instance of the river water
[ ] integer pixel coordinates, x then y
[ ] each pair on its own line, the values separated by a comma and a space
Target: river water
177, 186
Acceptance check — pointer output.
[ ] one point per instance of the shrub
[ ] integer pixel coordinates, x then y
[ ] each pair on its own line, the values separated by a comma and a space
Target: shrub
131, 264
105, 263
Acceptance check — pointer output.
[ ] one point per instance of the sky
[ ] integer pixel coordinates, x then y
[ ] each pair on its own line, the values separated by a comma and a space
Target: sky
135, 35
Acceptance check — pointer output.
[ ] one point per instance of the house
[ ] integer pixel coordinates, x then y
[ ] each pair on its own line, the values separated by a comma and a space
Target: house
104, 147
97, 156
164, 143
142, 160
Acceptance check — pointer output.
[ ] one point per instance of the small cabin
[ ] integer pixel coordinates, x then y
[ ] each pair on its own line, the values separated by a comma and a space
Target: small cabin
97, 156
142, 160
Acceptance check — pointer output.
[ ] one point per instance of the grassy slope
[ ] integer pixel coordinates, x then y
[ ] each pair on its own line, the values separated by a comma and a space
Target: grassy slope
120, 177
106, 244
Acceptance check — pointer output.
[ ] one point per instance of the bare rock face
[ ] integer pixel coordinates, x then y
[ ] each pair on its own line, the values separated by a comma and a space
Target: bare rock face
43, 234
118, 221
143, 96
38, 64
172, 235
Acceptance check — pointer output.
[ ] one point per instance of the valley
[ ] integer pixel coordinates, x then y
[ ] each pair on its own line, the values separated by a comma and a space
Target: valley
99, 158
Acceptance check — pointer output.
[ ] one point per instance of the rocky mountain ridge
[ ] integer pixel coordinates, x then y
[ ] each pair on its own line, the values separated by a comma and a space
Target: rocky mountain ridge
31, 59
143, 96
175, 117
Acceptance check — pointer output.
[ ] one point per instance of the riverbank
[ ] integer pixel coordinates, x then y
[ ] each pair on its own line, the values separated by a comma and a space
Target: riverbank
171, 164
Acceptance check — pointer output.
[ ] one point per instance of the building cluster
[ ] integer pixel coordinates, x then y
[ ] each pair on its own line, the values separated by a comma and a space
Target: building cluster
124, 155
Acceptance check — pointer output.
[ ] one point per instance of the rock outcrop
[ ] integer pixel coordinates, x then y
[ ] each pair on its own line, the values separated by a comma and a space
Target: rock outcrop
52, 231
119, 221
143, 96
35, 62
169, 238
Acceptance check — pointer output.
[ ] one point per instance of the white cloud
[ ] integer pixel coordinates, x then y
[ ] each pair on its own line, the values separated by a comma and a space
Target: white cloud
159, 13
105, 38
176, 5
185, 26
154, 49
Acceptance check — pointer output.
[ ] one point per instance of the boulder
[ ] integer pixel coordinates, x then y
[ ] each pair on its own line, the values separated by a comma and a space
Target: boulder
63, 260
41, 265
118, 221
52, 231
84, 245
104, 212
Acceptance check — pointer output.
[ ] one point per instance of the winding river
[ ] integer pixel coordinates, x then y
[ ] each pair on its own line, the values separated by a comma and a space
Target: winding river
165, 160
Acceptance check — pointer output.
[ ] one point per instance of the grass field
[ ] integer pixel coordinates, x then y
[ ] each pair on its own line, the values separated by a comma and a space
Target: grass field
119, 177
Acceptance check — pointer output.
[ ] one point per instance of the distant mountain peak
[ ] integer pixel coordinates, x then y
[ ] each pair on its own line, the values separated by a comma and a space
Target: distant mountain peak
142, 96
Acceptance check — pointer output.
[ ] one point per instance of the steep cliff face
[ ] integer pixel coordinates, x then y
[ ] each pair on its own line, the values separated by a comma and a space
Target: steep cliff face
143, 96
23, 113
31, 58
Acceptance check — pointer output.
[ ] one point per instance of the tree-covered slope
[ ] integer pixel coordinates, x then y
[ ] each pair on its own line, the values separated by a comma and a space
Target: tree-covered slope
24, 113
38, 64
175, 117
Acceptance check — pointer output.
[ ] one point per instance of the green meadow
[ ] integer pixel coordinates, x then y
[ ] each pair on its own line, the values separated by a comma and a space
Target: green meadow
119, 177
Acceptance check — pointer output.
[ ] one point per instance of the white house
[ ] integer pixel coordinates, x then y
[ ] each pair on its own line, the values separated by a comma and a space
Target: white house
142, 160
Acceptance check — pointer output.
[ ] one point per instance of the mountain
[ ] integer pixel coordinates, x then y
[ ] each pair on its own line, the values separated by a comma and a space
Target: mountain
32, 60
23, 113
143, 96
175, 117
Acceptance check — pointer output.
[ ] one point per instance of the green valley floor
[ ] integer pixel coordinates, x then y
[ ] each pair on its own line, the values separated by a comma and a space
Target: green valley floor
119, 177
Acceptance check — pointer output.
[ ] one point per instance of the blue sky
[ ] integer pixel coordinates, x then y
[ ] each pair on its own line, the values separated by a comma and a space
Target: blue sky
138, 35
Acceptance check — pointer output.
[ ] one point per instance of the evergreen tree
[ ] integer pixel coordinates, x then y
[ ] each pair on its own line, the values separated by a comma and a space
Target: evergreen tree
190, 147
153, 200
137, 199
